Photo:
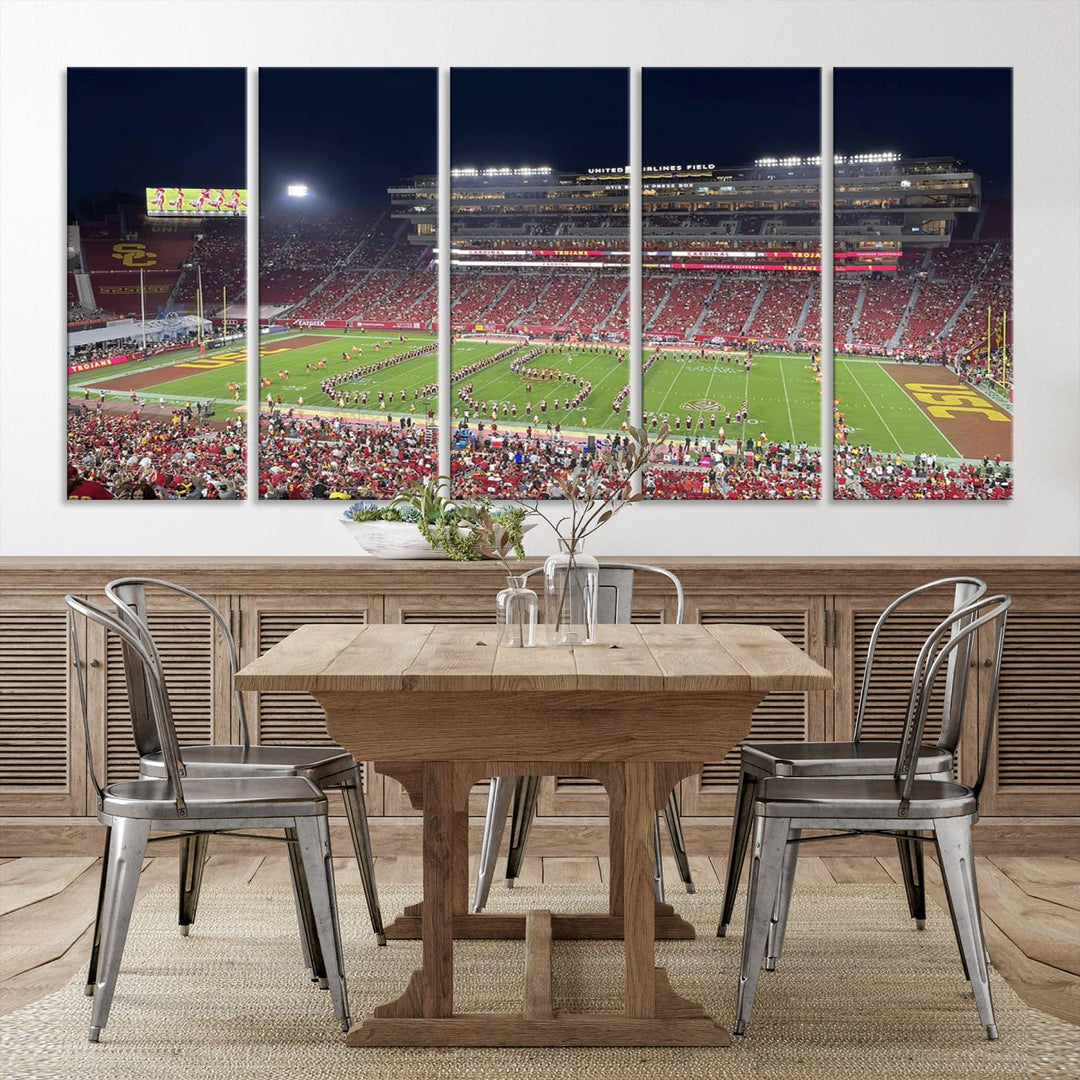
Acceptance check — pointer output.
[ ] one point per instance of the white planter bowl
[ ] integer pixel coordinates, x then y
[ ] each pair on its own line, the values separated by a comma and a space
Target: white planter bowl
392, 540
398, 539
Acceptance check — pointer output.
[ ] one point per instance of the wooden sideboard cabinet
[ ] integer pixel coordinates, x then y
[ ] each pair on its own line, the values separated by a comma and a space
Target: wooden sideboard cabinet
826, 606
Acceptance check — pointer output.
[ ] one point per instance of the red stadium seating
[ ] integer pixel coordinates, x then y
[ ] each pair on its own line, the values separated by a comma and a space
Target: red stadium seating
684, 305
729, 307
596, 308
553, 306
883, 307
778, 313
479, 295
282, 287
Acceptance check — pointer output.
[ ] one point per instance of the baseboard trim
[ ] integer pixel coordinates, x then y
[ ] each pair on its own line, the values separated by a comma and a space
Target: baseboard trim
552, 836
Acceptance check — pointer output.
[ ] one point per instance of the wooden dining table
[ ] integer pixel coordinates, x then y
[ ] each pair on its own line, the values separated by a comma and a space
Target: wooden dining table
441, 707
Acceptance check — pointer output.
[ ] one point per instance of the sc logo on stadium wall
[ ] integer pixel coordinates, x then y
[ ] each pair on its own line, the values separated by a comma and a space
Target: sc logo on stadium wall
134, 255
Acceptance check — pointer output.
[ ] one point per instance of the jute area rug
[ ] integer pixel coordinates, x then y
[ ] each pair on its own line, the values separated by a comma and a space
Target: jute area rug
859, 994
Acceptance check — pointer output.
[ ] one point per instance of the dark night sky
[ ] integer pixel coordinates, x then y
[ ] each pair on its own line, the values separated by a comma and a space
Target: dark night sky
729, 116
963, 112
133, 128
348, 133
567, 118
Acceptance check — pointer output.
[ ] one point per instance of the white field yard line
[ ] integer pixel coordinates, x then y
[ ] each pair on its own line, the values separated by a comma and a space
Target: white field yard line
708, 390
926, 419
787, 400
673, 383
899, 446
746, 398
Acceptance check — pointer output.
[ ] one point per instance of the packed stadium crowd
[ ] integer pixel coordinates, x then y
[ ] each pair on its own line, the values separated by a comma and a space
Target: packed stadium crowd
125, 455
327, 457
516, 467
861, 473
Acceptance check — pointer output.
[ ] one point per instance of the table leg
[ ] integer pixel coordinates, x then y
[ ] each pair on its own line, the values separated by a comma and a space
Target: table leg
668, 926
639, 916
653, 1014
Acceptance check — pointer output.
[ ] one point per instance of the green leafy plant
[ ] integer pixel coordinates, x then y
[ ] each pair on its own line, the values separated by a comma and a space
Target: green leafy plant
465, 532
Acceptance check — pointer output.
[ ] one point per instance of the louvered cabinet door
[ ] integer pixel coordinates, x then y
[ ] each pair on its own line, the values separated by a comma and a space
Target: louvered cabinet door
436, 611
782, 716
196, 666
1034, 766
42, 756
281, 718
895, 656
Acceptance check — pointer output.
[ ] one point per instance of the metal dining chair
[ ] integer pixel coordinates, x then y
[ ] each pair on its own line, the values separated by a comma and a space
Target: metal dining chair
327, 767
614, 601
901, 805
178, 805
859, 757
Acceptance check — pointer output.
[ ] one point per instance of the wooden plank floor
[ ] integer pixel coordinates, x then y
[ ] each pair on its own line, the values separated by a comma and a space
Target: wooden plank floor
1031, 910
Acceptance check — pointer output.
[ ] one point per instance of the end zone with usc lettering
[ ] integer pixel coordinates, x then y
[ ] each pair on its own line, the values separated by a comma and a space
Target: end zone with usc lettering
976, 426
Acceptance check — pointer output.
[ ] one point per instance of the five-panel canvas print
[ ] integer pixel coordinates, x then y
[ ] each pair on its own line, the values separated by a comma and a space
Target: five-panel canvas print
736, 293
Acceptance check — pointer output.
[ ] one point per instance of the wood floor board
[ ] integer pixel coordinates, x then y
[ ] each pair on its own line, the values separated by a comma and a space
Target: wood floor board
857, 870
1045, 931
42, 932
32, 985
583, 870
1043, 987
719, 865
26, 881
812, 871
274, 870
230, 869
1056, 880
399, 870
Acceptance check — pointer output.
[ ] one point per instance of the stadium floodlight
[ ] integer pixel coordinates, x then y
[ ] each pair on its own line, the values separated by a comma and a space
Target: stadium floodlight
297, 191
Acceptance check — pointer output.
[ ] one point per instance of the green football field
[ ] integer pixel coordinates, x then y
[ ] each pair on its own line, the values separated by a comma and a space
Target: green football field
784, 400
881, 414
783, 395
500, 385
279, 354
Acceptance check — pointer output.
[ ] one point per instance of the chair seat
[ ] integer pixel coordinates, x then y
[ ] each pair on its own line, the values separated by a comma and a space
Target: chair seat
863, 758
224, 759
222, 797
847, 797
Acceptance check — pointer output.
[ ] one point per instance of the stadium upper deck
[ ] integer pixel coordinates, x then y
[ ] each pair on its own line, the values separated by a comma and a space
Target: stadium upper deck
731, 253
914, 201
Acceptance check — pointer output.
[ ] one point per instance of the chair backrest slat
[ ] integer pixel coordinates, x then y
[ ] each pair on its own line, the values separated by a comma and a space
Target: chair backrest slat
616, 590
132, 612
965, 591
129, 596
148, 674
953, 636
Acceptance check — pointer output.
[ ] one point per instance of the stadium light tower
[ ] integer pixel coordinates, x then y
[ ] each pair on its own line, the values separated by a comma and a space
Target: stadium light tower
297, 191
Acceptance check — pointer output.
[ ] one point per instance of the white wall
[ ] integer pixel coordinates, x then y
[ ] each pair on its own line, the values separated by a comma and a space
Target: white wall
1037, 37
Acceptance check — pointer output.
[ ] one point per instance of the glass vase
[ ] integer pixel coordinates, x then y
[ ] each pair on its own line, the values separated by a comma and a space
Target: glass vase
571, 586
515, 609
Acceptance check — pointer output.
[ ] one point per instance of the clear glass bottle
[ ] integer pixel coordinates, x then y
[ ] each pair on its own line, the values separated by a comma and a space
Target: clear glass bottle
571, 587
515, 608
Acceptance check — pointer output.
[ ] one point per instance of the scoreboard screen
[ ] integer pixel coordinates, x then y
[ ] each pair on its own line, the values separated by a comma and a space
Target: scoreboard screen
196, 202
